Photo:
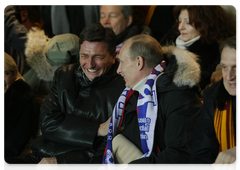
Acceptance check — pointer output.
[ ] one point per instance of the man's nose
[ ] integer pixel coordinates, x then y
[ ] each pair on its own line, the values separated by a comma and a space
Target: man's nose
230, 74
119, 69
106, 20
91, 63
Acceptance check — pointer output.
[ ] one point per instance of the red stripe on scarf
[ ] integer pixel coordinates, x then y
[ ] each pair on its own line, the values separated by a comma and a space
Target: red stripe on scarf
130, 93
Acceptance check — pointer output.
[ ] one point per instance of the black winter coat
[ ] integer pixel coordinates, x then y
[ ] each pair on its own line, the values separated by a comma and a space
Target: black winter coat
178, 107
72, 113
19, 121
205, 145
209, 58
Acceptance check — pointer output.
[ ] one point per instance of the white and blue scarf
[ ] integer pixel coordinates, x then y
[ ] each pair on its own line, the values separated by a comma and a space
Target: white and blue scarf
147, 109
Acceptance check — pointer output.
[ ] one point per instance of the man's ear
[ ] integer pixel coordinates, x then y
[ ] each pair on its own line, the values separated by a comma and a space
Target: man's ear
140, 62
114, 56
24, 15
130, 19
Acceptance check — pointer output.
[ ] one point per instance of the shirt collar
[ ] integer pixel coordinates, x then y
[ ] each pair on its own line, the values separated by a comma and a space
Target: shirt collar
139, 86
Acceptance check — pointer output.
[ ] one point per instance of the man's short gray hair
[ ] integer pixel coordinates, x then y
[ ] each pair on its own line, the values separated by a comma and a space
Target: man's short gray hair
126, 7
146, 47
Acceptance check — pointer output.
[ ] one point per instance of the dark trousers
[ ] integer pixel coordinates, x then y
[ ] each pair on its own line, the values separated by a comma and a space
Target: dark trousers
23, 162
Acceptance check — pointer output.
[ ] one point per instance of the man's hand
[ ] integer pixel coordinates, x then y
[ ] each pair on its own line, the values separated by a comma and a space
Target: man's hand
47, 164
103, 128
226, 157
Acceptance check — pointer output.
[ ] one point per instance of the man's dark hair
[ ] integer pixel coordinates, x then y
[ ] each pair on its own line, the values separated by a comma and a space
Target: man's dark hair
229, 42
95, 32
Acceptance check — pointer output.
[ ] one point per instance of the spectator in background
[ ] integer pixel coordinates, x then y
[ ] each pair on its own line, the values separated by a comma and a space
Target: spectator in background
17, 22
119, 19
30, 16
202, 29
214, 138
19, 122
44, 55
61, 19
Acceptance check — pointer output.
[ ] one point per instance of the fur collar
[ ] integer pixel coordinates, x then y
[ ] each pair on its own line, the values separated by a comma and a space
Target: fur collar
182, 65
36, 49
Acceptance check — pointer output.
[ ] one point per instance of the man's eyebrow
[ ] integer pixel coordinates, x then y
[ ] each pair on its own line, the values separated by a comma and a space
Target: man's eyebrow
83, 54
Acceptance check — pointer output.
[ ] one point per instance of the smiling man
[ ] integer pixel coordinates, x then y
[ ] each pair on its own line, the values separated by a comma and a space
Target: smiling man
215, 131
75, 115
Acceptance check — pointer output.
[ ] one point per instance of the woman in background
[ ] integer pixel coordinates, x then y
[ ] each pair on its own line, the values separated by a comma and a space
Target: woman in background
19, 122
202, 29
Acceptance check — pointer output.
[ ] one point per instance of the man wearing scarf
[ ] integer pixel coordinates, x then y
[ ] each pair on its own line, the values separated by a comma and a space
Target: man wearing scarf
214, 140
152, 118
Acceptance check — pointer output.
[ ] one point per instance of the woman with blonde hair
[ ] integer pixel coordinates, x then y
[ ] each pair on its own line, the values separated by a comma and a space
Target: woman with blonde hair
19, 123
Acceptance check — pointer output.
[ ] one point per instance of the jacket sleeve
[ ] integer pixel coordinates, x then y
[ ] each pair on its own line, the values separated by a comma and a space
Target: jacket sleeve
204, 145
14, 32
18, 136
65, 128
172, 130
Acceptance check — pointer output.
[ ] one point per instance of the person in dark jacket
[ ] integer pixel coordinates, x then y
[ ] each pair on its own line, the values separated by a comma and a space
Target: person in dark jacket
214, 139
76, 113
19, 124
18, 20
202, 29
152, 118
120, 20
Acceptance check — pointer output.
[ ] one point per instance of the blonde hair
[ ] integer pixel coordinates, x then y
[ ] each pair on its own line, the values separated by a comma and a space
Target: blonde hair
11, 65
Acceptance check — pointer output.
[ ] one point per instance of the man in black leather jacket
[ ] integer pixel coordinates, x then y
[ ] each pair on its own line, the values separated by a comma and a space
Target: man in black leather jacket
76, 113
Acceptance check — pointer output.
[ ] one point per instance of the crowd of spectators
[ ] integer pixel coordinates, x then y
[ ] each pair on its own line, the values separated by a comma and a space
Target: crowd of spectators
74, 84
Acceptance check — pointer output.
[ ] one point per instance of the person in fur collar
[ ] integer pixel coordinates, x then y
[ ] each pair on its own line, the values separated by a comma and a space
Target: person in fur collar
154, 118
19, 124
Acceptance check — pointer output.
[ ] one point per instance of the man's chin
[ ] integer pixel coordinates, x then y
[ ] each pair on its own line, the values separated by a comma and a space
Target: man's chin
91, 77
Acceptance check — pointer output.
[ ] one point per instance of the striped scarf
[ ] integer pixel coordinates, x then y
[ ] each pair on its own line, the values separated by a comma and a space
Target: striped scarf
147, 108
224, 127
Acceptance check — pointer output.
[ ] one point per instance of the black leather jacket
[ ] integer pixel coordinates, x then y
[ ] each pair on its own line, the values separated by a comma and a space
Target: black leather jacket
72, 113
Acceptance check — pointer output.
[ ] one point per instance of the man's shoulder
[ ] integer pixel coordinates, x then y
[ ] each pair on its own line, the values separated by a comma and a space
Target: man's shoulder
211, 92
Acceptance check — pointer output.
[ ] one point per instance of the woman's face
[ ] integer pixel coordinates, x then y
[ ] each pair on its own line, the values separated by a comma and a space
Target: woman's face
187, 31
9, 78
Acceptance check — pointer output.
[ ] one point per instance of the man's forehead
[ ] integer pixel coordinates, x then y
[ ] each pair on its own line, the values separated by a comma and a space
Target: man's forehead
96, 44
228, 54
123, 50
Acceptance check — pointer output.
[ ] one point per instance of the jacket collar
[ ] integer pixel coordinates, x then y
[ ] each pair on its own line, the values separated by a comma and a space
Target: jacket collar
182, 66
